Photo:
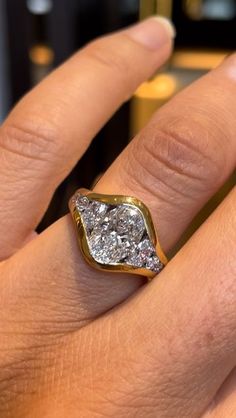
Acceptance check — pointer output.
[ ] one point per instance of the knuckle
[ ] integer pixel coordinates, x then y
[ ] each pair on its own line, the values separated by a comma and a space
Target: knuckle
167, 154
31, 140
102, 51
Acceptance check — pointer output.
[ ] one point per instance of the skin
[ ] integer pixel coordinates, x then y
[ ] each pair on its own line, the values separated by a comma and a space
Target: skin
81, 343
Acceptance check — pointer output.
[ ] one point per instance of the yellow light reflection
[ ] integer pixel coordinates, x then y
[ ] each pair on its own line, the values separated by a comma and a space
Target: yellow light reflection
197, 60
41, 55
161, 87
149, 97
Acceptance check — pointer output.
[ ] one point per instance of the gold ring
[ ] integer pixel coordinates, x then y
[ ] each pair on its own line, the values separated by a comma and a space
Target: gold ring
116, 233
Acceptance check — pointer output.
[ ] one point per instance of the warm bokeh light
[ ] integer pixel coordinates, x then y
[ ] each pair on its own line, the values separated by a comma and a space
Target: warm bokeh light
197, 60
41, 55
161, 87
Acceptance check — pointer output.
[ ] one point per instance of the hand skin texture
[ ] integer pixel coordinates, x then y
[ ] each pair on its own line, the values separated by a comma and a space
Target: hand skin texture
79, 343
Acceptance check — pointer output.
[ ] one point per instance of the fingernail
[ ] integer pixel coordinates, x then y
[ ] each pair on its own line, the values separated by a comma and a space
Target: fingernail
152, 32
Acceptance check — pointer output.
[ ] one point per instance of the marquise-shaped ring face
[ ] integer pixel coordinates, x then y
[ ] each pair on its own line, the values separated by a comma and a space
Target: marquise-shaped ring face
116, 233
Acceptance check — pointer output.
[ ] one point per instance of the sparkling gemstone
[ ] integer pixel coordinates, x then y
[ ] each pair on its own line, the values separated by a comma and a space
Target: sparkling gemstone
135, 260
107, 248
146, 248
127, 220
115, 234
98, 208
75, 198
153, 263
142, 254
94, 214
82, 203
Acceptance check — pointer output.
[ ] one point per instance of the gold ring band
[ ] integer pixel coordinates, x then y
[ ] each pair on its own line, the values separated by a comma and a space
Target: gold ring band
116, 233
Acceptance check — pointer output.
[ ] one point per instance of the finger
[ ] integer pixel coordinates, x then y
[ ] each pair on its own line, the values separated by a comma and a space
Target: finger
174, 181
174, 344
224, 403
52, 126
183, 156
165, 352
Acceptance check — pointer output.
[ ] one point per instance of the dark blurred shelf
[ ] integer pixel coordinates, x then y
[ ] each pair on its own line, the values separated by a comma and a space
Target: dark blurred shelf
66, 27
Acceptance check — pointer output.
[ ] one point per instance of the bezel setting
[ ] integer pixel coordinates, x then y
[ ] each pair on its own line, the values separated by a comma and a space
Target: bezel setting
116, 233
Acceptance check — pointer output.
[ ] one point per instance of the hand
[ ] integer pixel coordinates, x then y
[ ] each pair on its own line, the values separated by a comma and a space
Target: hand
72, 341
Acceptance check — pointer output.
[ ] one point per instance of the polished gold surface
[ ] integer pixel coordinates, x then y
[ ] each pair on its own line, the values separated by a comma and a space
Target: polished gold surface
116, 200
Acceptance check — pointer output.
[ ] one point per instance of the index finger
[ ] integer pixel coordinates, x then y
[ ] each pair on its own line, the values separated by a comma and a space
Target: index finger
52, 126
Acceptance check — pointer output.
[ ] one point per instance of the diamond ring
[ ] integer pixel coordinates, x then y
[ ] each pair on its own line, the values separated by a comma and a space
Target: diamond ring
116, 233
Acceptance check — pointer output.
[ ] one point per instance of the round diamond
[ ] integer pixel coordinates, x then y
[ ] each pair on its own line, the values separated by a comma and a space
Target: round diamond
154, 264
135, 260
140, 255
82, 203
146, 248
98, 208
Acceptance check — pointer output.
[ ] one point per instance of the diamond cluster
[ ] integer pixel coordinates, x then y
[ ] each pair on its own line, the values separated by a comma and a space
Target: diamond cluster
116, 234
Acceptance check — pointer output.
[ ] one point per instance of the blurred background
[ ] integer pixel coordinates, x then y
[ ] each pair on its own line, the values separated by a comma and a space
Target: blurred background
37, 35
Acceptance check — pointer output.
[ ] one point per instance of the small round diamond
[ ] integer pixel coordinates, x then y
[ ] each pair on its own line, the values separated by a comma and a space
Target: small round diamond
146, 248
154, 264
98, 208
135, 260
82, 203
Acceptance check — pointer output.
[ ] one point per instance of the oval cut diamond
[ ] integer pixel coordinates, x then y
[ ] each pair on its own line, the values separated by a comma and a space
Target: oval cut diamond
128, 221
108, 247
